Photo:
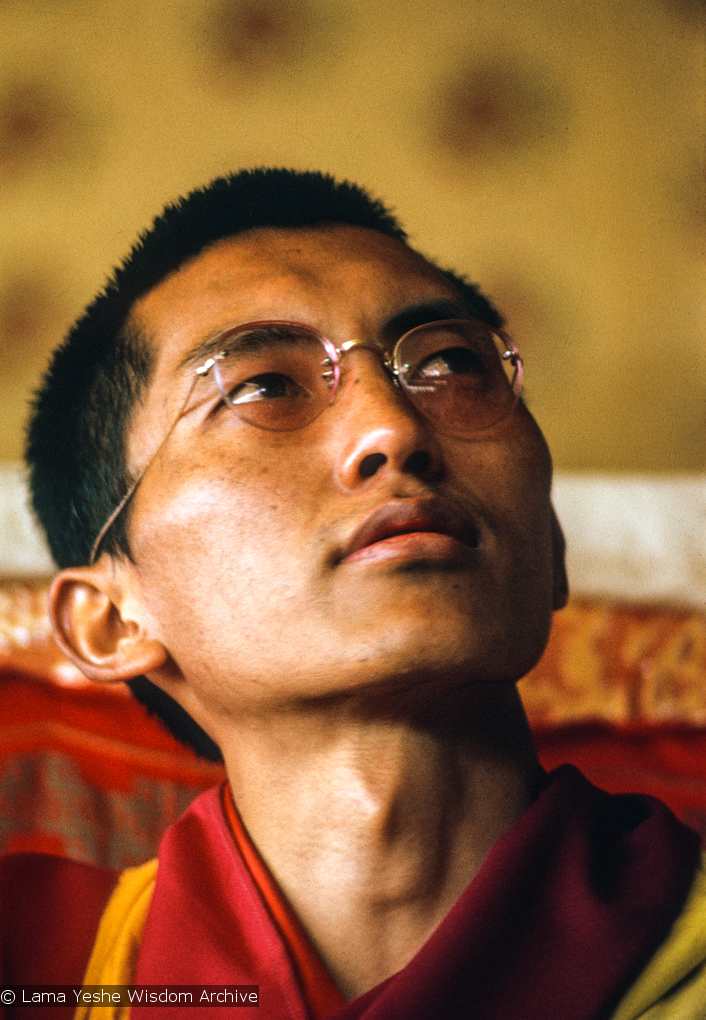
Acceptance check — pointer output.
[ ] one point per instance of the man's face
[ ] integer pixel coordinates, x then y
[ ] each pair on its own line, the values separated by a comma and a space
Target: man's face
271, 564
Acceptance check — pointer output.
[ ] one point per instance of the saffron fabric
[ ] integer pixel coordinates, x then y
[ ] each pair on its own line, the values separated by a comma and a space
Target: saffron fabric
117, 943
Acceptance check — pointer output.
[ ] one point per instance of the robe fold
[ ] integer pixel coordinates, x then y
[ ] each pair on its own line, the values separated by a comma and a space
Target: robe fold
568, 907
567, 911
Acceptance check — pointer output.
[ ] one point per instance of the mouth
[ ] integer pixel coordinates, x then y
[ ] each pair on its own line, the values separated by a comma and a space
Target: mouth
412, 527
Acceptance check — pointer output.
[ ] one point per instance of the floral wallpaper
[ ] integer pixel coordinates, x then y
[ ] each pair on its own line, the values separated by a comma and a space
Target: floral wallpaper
555, 153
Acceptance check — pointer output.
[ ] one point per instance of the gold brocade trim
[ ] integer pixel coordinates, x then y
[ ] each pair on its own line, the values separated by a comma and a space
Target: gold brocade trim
621, 665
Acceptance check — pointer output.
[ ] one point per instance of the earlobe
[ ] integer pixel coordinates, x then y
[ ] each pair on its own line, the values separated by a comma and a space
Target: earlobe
561, 581
95, 630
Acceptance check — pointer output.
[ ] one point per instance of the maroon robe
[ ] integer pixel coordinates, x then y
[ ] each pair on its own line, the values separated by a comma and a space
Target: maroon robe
568, 907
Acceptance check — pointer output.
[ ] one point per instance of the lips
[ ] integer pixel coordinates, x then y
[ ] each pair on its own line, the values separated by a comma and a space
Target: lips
410, 517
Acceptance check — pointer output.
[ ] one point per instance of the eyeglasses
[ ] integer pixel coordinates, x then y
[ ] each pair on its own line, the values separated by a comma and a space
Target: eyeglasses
461, 375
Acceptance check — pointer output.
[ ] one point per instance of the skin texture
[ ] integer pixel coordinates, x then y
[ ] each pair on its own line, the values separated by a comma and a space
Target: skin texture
362, 694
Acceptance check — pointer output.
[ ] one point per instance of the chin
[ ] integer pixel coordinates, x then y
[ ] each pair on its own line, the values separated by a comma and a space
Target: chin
451, 649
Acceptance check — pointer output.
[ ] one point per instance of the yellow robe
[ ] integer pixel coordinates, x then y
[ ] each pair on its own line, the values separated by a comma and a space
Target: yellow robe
673, 984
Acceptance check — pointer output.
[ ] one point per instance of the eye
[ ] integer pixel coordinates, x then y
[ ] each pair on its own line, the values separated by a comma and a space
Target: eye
271, 375
267, 386
451, 361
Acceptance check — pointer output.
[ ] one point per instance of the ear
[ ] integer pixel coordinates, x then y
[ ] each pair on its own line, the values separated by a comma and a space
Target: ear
97, 623
561, 581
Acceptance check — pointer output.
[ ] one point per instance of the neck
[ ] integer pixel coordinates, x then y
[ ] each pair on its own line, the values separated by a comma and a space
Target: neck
373, 820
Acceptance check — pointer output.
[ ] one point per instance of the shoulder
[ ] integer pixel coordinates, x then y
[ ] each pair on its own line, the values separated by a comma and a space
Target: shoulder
50, 908
674, 981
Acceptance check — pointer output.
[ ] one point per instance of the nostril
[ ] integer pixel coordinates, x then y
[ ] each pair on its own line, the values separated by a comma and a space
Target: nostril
418, 462
370, 464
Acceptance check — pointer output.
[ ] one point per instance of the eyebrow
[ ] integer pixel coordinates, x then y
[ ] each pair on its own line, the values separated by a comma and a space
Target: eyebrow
420, 315
395, 327
206, 348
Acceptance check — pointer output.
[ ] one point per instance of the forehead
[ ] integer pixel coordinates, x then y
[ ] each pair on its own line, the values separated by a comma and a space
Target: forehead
332, 277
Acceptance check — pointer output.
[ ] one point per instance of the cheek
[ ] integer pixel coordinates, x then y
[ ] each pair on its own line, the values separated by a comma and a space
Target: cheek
507, 477
212, 564
530, 591
510, 483
212, 537
526, 513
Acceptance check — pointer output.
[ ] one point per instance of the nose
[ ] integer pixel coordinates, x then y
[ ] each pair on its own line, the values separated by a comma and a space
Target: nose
382, 433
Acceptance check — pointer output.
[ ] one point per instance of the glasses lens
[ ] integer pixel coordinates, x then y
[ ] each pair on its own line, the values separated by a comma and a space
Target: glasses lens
275, 375
456, 375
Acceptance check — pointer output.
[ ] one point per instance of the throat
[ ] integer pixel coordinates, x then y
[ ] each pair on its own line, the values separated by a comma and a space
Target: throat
385, 826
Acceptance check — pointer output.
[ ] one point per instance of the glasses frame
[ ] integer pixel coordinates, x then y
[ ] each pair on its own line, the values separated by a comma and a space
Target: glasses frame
334, 357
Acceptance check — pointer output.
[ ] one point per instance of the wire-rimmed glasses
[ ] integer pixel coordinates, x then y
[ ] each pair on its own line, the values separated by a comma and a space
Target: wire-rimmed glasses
462, 375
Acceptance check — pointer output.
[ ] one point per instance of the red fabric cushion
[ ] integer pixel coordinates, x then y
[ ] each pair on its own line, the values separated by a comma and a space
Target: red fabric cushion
668, 762
50, 909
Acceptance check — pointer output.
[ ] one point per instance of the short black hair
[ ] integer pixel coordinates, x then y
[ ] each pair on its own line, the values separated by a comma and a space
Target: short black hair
76, 437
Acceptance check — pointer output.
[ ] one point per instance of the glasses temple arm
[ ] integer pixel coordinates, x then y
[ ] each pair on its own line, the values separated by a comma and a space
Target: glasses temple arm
131, 491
